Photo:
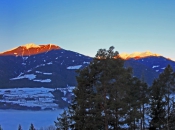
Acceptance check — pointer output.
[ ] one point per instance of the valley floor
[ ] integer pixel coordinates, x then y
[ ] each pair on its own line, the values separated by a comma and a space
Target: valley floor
10, 119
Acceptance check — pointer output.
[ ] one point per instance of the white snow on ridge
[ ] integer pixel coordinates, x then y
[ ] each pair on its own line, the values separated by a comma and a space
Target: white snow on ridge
39, 72
43, 80
28, 76
86, 62
47, 73
155, 66
74, 67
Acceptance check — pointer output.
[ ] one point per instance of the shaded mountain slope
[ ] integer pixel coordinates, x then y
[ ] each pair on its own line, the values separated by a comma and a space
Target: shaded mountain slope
56, 67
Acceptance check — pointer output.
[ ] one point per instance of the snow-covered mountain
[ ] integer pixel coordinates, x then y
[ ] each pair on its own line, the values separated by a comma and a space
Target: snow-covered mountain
47, 66
138, 55
50, 66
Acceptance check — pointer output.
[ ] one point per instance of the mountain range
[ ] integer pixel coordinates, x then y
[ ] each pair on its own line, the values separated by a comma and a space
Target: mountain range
42, 77
51, 66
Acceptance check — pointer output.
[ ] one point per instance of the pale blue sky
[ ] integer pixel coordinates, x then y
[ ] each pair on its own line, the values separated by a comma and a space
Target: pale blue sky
85, 26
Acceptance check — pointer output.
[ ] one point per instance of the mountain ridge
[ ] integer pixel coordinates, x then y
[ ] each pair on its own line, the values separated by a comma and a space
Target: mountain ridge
32, 49
137, 55
56, 67
29, 49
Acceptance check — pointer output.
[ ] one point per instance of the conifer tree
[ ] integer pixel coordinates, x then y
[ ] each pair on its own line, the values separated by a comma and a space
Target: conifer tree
144, 101
100, 96
84, 106
107, 95
63, 122
1, 128
32, 127
162, 100
19, 127
133, 100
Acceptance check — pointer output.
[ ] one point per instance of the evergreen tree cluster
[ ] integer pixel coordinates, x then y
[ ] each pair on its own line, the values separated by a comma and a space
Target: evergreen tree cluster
108, 97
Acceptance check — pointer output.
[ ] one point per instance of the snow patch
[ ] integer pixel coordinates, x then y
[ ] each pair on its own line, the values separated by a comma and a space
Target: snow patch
24, 58
40, 65
29, 70
86, 62
43, 80
49, 63
155, 66
74, 67
65, 99
47, 73
23, 63
28, 76
39, 72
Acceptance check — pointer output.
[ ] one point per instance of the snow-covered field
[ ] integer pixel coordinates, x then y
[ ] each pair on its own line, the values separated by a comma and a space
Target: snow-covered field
10, 119
33, 97
30, 97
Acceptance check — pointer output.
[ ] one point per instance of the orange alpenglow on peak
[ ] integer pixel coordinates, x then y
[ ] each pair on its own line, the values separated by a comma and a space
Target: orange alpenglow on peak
30, 49
30, 45
137, 55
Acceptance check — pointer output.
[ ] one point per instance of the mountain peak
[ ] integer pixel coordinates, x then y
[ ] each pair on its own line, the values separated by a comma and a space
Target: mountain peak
137, 55
30, 49
30, 45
